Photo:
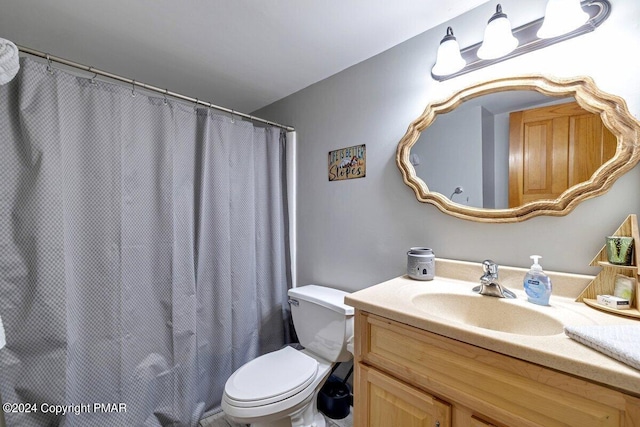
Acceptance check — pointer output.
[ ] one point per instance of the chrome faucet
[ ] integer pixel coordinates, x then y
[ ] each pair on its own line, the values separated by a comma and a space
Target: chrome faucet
489, 282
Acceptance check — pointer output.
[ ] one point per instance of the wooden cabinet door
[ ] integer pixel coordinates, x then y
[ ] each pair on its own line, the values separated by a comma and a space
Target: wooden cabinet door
477, 422
553, 148
387, 402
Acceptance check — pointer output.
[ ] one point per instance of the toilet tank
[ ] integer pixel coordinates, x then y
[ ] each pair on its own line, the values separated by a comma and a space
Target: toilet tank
323, 322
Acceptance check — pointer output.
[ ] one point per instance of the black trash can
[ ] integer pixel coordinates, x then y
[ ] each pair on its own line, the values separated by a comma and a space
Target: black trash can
334, 398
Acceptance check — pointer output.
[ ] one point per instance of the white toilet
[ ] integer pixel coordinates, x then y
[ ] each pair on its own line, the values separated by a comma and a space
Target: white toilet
280, 389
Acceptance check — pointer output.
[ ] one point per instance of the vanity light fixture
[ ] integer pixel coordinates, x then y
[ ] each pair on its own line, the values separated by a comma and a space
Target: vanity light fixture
561, 17
448, 59
498, 38
575, 18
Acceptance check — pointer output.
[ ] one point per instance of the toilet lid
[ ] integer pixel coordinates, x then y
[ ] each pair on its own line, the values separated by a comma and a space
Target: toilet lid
270, 378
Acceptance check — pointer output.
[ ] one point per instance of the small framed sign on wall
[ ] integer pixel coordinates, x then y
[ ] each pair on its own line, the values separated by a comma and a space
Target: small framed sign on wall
348, 163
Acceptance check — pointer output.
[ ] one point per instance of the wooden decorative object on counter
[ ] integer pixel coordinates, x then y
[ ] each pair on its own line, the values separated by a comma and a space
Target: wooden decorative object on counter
603, 284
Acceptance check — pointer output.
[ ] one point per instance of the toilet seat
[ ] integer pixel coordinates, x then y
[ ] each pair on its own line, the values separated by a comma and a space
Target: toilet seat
270, 378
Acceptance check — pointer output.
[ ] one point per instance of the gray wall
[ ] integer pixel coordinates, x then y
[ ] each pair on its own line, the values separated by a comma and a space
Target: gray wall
488, 160
458, 150
501, 139
353, 234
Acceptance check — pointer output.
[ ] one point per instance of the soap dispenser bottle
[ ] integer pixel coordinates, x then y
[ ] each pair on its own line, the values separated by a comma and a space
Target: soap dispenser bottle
537, 285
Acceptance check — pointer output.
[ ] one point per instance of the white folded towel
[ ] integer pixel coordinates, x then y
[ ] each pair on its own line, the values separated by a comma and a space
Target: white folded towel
9, 61
621, 342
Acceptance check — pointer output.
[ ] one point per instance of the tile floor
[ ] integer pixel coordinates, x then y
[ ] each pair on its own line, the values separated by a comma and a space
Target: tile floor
219, 420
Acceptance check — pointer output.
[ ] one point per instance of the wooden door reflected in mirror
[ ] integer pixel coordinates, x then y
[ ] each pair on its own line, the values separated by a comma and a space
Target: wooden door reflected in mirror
554, 148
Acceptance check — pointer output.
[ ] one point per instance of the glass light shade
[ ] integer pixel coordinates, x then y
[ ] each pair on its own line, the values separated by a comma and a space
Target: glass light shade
498, 39
448, 58
561, 17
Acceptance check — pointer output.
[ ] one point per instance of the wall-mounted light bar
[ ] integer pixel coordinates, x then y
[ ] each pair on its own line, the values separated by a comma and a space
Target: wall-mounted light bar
563, 20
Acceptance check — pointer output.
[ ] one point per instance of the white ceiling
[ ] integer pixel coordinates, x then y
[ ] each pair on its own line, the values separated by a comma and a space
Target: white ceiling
241, 54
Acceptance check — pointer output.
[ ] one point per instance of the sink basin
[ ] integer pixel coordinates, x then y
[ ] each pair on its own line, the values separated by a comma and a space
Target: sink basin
497, 314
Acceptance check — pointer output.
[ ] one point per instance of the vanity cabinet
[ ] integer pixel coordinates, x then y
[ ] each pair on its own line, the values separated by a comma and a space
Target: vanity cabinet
406, 376
393, 403
477, 422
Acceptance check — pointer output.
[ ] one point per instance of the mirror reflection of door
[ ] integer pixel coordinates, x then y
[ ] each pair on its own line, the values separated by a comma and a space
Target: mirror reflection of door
553, 148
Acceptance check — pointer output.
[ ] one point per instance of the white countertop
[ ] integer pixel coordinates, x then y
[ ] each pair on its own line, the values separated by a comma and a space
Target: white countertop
395, 300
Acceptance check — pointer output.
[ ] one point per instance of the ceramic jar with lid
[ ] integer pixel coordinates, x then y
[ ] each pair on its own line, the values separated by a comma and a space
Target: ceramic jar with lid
421, 263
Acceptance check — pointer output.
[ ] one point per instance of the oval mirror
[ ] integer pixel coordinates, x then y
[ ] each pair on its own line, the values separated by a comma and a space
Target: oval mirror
514, 148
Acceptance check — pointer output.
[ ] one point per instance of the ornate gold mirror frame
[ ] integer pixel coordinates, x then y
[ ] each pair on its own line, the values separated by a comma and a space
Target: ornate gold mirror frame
612, 110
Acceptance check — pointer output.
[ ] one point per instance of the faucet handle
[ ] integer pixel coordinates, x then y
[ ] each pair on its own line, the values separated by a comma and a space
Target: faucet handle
490, 268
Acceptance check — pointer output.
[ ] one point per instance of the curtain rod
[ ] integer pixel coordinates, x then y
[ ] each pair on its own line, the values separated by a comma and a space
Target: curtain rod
147, 86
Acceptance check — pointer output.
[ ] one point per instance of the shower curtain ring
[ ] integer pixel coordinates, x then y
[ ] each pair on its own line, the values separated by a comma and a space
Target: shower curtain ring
133, 89
233, 120
195, 105
92, 80
165, 102
49, 66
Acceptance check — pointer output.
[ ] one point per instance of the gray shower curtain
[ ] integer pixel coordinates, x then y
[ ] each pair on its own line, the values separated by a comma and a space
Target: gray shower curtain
143, 252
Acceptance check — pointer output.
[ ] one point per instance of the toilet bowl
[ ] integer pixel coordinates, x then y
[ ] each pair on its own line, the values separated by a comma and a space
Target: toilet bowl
276, 386
280, 389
